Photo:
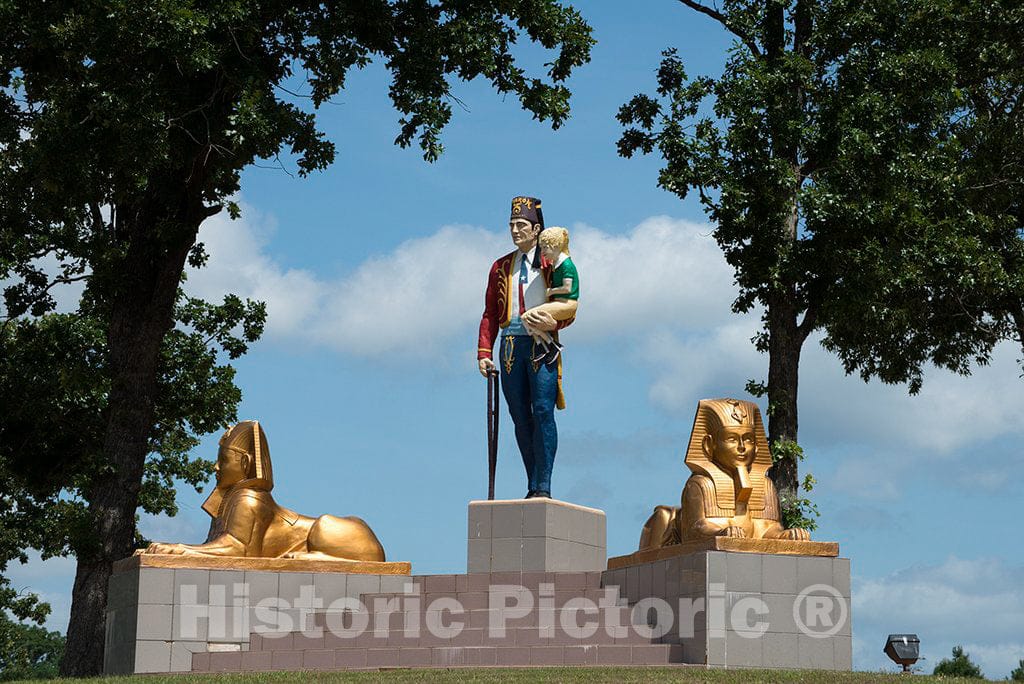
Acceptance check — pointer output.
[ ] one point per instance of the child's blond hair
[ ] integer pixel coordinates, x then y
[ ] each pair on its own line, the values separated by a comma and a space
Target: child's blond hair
555, 236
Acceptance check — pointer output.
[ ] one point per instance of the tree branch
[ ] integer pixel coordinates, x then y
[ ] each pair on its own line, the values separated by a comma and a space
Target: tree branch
745, 37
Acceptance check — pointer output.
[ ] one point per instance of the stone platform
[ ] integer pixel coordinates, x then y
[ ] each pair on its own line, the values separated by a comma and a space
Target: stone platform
535, 535
759, 610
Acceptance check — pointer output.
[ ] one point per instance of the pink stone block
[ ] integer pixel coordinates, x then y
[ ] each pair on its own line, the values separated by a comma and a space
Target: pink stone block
286, 660
414, 657
650, 654
200, 662
445, 657
226, 662
318, 660
256, 661
614, 655
381, 657
546, 655
516, 655
580, 655
276, 641
301, 642
440, 583
480, 656
350, 658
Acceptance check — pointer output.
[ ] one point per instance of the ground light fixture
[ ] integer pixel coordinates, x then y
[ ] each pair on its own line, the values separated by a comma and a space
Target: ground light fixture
903, 649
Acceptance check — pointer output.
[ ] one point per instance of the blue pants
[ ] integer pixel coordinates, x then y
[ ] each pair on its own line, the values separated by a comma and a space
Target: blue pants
530, 391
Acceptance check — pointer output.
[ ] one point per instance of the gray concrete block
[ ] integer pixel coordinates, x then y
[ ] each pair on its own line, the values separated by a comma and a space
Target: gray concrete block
780, 613
181, 654
743, 571
156, 586
330, 586
746, 612
152, 656
154, 622
190, 623
540, 519
715, 567
228, 588
742, 651
632, 587
778, 574
715, 648
506, 554
123, 589
841, 575
393, 584
811, 570
534, 554
780, 650
478, 556
507, 520
191, 587
815, 654
843, 652
228, 624
262, 585
479, 521
292, 585
363, 584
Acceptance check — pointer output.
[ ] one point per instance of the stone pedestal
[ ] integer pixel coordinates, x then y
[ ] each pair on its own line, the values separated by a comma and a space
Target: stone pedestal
535, 535
157, 617
756, 610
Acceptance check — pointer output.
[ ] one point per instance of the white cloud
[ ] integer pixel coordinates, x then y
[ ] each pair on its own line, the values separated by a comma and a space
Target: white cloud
427, 293
977, 603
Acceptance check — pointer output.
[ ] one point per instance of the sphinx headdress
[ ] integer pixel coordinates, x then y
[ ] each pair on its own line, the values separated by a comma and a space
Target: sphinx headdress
712, 416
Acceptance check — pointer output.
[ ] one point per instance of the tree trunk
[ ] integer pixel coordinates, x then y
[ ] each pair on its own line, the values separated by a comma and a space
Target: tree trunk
142, 312
784, 345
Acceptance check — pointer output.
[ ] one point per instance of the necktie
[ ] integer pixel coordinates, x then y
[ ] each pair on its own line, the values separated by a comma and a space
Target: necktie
522, 285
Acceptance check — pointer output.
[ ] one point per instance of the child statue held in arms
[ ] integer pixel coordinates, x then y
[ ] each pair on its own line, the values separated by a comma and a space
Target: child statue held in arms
562, 295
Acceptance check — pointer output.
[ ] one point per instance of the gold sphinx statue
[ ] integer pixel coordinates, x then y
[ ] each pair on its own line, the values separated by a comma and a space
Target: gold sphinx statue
247, 522
727, 493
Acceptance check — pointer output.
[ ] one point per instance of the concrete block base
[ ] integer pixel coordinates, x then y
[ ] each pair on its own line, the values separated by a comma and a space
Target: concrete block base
157, 618
747, 610
535, 535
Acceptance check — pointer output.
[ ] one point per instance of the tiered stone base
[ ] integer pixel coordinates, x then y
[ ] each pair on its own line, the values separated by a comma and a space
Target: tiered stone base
398, 629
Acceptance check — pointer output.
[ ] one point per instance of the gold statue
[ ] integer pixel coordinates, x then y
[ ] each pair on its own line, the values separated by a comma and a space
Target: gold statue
728, 493
247, 522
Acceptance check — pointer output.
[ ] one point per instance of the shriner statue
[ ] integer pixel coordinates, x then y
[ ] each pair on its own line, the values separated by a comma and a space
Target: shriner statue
728, 493
247, 522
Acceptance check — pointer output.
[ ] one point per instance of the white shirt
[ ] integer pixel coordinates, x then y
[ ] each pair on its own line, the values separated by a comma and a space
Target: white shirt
535, 290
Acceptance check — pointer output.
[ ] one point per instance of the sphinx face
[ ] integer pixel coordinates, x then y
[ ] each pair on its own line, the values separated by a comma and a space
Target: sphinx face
232, 467
735, 447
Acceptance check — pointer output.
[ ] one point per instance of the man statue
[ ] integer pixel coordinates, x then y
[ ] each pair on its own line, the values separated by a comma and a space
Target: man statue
517, 283
727, 493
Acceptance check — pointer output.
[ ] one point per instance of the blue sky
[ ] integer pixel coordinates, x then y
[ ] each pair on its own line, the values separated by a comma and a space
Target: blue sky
366, 379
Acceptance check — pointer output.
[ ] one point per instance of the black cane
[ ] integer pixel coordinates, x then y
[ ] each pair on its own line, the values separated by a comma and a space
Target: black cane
492, 430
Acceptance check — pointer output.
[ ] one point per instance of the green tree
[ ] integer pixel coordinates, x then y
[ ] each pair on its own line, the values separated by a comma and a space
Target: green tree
818, 138
1017, 674
125, 125
28, 651
955, 289
959, 665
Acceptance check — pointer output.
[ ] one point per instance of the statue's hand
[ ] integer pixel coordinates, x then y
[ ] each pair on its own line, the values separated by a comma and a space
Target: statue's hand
486, 366
540, 320
166, 549
733, 531
796, 534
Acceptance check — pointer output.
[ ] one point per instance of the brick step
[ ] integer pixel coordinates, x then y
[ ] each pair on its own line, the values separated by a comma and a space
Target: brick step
531, 580
438, 656
469, 637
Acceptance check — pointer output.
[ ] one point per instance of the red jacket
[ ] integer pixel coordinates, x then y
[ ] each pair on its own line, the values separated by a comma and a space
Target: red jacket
498, 303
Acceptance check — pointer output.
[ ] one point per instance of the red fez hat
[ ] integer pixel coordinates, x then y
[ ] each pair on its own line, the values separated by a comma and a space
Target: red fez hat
527, 208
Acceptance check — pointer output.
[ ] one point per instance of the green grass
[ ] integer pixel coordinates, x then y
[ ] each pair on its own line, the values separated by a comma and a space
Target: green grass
587, 675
